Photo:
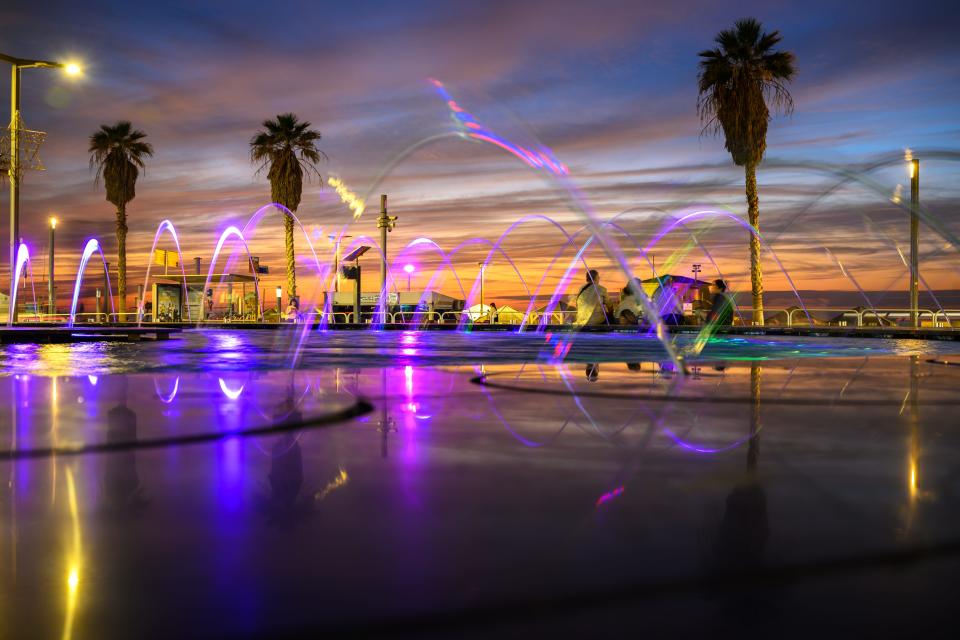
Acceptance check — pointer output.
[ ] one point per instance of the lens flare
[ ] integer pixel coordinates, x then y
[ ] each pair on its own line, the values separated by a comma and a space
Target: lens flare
354, 202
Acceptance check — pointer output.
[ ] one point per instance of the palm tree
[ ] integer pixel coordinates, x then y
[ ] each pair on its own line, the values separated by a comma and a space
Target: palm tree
118, 152
288, 146
739, 82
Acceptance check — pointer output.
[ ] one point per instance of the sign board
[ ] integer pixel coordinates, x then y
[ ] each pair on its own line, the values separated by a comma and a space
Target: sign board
165, 258
254, 266
373, 299
167, 302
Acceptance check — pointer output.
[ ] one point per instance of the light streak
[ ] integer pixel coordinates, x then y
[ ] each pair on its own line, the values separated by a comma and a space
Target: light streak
354, 202
341, 479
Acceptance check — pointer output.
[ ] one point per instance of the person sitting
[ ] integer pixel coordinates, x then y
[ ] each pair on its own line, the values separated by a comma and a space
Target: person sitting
591, 301
629, 311
668, 303
292, 313
491, 317
721, 310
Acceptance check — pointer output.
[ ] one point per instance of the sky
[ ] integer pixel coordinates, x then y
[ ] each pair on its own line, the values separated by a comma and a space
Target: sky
608, 88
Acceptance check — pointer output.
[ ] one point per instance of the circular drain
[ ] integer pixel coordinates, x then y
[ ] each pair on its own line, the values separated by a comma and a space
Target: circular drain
485, 381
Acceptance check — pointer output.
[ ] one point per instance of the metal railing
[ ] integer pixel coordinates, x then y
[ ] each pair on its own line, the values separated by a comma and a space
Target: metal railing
896, 317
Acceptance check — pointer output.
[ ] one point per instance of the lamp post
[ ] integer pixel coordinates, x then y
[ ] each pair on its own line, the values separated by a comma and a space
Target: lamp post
409, 269
696, 271
338, 240
51, 303
483, 267
13, 172
915, 242
279, 295
385, 223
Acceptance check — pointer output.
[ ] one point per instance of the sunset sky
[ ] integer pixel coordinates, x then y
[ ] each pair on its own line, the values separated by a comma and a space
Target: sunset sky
608, 87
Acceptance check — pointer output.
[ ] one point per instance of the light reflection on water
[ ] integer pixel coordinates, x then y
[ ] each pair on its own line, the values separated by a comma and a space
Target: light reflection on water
258, 350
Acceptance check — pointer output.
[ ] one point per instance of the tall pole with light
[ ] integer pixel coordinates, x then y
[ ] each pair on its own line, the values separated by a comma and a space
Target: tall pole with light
483, 267
13, 171
408, 269
385, 223
279, 300
915, 242
51, 303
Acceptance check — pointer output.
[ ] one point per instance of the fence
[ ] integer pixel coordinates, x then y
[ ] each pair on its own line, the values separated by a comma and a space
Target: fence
790, 317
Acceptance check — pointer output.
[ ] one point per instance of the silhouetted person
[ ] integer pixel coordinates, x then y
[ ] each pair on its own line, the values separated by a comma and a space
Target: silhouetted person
591, 301
592, 372
286, 468
721, 308
286, 471
744, 531
122, 489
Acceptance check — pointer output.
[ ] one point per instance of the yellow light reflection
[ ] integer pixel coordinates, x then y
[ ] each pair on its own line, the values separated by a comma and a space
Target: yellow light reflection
349, 198
913, 478
73, 562
341, 479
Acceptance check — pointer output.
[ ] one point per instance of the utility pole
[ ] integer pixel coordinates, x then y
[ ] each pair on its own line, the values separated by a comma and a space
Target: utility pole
385, 223
14, 175
15, 169
51, 303
915, 242
482, 269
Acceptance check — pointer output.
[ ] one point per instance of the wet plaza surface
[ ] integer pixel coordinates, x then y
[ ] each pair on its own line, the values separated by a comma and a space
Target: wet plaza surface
476, 485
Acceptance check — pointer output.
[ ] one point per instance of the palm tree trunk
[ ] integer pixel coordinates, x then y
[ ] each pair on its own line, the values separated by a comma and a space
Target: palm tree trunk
121, 261
756, 271
291, 258
753, 446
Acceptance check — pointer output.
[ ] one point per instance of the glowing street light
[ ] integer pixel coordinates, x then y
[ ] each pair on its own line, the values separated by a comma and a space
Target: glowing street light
279, 296
409, 269
13, 171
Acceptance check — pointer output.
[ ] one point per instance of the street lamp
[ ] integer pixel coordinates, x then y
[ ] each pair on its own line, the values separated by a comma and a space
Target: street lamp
51, 303
408, 269
915, 241
13, 171
483, 267
279, 295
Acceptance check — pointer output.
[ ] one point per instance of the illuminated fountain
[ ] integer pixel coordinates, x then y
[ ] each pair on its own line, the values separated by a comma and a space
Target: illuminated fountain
595, 240
23, 265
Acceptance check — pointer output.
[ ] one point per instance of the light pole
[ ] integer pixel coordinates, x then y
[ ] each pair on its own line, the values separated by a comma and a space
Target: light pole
696, 271
51, 303
483, 267
915, 242
336, 257
385, 223
14, 170
409, 269
279, 296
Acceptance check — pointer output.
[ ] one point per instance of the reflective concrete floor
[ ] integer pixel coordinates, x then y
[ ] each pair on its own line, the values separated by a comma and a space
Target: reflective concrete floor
780, 497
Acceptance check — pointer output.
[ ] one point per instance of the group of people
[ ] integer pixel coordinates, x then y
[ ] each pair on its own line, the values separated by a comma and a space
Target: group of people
594, 308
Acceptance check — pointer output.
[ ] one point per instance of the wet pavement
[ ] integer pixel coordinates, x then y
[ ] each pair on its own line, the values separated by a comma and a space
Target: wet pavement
780, 496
